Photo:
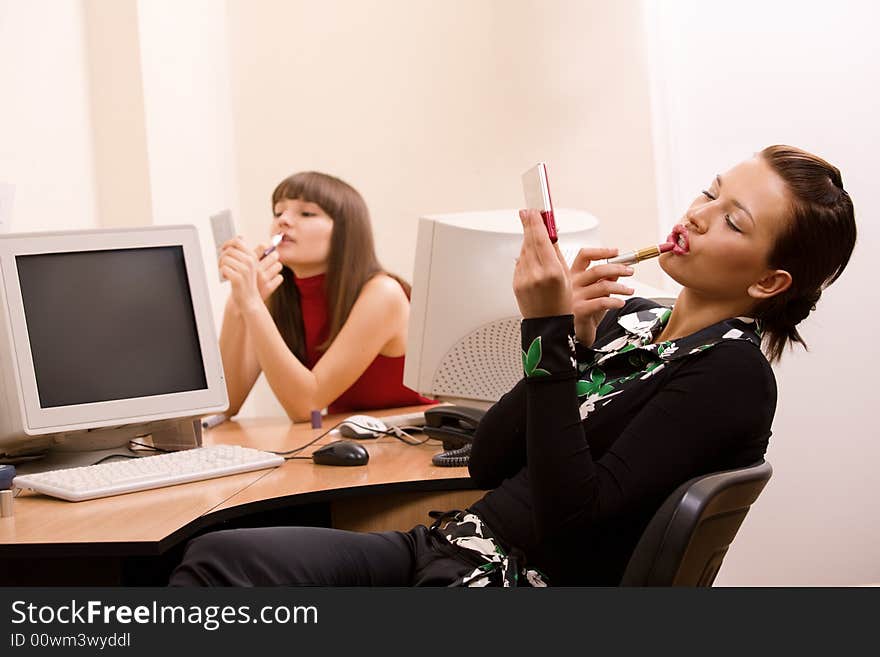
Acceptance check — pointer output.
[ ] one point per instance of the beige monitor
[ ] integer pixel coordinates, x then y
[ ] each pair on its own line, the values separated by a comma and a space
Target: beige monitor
463, 341
105, 335
464, 329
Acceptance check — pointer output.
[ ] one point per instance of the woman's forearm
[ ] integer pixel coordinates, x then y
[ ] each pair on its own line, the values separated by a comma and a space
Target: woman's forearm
499, 448
240, 365
560, 465
293, 383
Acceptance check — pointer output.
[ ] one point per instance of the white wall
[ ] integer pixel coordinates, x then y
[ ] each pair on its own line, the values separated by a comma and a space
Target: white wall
116, 95
45, 131
727, 81
189, 129
430, 107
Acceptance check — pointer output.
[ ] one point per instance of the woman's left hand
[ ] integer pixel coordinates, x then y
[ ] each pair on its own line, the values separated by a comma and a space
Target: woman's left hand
241, 267
541, 277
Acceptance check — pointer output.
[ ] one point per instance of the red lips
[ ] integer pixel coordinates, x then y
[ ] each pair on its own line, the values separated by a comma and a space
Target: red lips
679, 232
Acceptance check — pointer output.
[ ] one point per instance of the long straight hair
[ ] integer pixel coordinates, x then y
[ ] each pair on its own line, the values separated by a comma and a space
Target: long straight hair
351, 262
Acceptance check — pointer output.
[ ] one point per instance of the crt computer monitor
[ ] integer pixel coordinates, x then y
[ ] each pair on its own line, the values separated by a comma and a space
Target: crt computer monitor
105, 335
463, 344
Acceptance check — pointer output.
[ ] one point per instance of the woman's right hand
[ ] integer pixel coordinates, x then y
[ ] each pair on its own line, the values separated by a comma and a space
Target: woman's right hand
252, 280
269, 275
591, 290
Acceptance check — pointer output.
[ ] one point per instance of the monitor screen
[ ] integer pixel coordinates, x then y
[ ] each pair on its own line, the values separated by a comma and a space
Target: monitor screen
110, 324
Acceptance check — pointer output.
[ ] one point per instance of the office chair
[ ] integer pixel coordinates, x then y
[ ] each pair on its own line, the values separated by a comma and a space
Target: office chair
687, 539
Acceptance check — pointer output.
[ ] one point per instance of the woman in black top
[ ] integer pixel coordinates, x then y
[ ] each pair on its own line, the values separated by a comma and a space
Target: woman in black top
620, 403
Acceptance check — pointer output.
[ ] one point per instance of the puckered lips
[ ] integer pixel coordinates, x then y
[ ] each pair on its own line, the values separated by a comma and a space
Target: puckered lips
679, 238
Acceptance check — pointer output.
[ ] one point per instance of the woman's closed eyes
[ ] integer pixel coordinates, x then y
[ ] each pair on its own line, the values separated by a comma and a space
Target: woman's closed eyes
727, 218
277, 215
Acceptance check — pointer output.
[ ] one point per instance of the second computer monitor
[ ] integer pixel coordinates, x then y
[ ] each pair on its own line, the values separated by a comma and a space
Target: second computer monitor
464, 343
464, 329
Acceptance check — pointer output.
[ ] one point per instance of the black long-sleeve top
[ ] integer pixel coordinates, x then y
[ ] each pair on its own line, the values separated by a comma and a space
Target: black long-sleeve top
586, 447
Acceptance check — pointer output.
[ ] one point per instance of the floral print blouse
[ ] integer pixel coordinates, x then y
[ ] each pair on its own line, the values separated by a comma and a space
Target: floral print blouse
631, 340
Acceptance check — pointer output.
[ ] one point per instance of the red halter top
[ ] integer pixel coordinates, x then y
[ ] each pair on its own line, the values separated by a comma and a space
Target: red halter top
381, 384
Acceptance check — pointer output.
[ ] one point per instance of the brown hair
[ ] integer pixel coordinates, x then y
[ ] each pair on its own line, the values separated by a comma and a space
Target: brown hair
351, 262
814, 247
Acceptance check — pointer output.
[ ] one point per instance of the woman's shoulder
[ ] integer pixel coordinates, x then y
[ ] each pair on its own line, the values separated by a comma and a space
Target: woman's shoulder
738, 364
732, 385
383, 290
384, 283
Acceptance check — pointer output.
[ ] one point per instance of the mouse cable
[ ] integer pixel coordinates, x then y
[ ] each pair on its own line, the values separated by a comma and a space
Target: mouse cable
394, 432
117, 456
400, 432
405, 430
148, 448
308, 444
134, 455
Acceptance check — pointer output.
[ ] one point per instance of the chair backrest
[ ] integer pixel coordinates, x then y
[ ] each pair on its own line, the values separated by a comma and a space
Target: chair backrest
687, 539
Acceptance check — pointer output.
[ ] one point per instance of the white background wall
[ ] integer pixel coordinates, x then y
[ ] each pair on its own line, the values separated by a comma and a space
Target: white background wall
727, 81
45, 130
430, 107
189, 130
54, 81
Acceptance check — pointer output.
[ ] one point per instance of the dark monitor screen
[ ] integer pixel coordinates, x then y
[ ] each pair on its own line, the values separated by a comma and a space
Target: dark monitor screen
107, 325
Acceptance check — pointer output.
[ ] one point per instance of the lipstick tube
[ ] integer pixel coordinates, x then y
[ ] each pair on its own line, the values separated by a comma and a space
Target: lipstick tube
632, 257
276, 240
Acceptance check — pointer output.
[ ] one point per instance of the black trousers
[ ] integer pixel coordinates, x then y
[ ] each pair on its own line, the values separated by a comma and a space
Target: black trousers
316, 556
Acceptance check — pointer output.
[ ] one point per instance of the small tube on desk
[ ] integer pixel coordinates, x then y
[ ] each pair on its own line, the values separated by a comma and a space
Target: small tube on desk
213, 420
6, 502
316, 419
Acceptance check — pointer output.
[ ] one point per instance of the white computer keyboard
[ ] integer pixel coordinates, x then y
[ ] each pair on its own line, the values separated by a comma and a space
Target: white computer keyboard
116, 477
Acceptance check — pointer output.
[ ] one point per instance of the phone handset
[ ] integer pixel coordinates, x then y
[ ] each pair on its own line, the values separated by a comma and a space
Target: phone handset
455, 426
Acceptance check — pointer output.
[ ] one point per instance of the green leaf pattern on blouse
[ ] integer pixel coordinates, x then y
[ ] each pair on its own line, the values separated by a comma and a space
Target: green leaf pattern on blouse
532, 359
649, 359
596, 384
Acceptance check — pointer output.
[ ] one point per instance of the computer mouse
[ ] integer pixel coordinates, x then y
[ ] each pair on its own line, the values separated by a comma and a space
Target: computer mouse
362, 427
341, 452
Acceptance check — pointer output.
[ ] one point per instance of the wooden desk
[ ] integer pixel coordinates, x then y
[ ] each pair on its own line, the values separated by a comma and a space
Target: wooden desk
393, 491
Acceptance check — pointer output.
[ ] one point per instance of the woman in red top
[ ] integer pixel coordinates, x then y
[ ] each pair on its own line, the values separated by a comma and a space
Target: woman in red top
318, 316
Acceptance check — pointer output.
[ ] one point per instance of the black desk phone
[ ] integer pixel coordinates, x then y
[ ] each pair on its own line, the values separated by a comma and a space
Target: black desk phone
455, 426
